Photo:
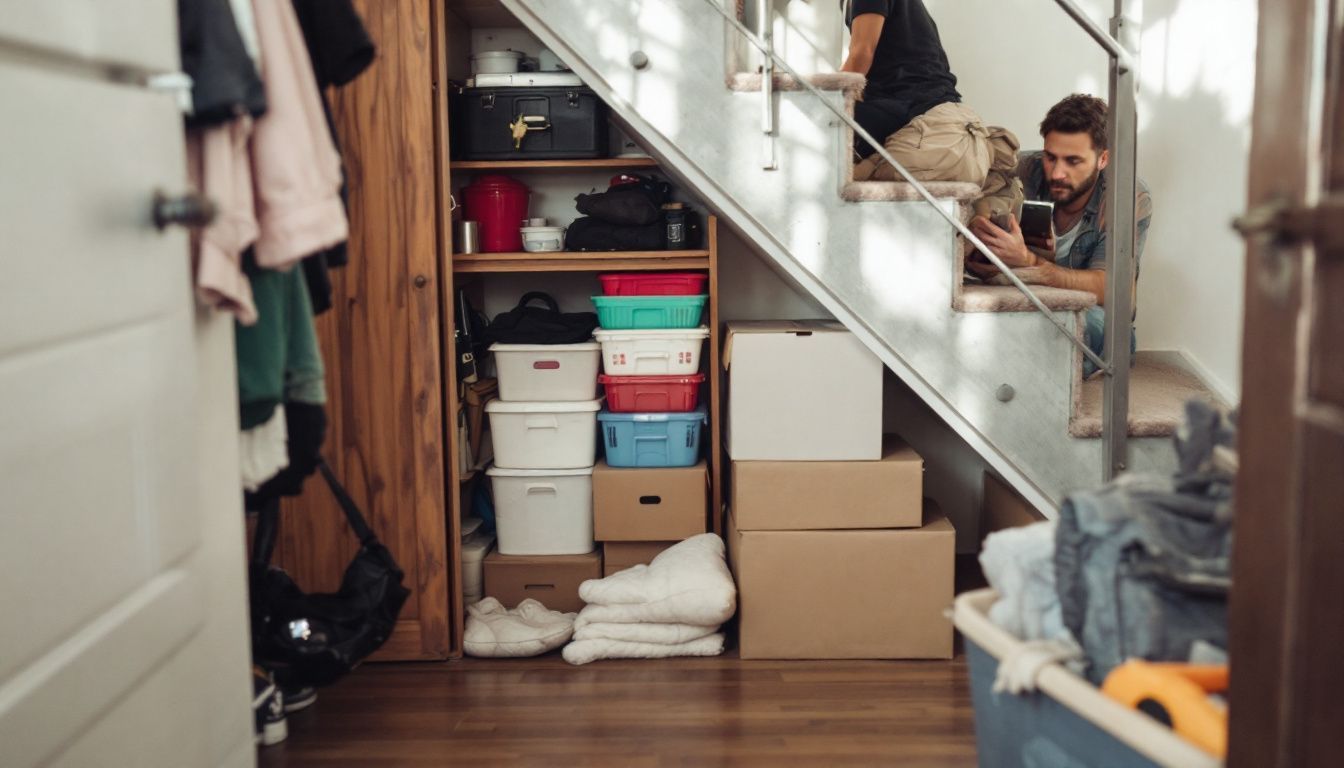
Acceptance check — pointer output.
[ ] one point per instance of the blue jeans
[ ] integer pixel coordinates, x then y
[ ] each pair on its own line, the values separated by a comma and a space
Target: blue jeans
1095, 336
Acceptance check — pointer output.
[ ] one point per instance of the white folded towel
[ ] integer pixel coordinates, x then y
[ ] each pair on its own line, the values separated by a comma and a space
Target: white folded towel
584, 651
662, 634
688, 583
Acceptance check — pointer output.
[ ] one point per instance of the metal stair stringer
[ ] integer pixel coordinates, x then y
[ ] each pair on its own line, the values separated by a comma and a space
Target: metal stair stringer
885, 270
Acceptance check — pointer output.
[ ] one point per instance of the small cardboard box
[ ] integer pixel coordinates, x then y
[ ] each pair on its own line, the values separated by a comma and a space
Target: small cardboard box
553, 580
801, 391
812, 495
619, 555
647, 504
858, 594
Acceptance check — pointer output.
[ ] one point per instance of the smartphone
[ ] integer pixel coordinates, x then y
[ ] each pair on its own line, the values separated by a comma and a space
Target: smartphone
1037, 219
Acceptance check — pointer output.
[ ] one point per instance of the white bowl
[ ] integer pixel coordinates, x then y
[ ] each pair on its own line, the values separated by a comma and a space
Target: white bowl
495, 62
543, 239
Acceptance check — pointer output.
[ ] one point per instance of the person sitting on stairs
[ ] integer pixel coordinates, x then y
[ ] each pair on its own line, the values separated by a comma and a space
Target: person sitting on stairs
911, 103
1070, 172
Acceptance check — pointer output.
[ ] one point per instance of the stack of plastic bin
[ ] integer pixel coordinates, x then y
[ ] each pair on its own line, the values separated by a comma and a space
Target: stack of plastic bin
650, 492
651, 340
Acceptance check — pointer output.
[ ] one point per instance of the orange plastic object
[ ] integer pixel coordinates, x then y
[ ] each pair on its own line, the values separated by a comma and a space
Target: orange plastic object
1182, 692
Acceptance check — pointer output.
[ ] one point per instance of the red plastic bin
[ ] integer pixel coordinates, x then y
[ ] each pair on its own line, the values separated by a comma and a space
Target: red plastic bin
652, 394
654, 284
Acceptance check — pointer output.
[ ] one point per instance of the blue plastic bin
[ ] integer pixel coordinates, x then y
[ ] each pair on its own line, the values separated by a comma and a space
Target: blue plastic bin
1066, 722
642, 313
652, 439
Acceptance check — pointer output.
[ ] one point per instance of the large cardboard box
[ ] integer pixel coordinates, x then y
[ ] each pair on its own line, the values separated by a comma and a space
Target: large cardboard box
553, 580
810, 495
801, 391
647, 504
857, 594
1001, 507
619, 555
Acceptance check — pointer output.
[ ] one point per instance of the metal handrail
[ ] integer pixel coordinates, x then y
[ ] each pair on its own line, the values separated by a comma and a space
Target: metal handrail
919, 187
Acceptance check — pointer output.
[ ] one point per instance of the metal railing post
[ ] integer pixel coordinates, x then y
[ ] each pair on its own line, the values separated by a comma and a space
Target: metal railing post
765, 27
1120, 241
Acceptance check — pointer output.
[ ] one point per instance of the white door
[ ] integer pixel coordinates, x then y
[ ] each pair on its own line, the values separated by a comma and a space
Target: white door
123, 627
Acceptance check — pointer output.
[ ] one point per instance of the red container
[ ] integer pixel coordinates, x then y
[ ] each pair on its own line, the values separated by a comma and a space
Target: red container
652, 394
654, 284
498, 204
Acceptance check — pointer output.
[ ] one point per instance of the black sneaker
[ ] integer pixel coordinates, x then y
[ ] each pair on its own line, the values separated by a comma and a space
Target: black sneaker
268, 709
298, 698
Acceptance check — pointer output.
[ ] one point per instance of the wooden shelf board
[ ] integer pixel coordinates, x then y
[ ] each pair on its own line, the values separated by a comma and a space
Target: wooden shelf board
580, 261
603, 163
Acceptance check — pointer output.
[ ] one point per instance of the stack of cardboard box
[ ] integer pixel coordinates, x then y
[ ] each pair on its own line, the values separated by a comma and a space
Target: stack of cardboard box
638, 513
835, 552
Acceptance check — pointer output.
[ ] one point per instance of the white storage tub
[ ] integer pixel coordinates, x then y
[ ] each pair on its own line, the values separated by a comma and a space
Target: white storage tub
543, 511
474, 549
652, 353
552, 435
495, 62
547, 372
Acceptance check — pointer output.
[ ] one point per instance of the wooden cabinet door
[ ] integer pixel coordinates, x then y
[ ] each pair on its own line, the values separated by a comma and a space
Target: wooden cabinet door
381, 341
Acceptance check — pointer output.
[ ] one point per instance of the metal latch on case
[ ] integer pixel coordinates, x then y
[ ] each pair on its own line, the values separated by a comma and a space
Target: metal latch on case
519, 127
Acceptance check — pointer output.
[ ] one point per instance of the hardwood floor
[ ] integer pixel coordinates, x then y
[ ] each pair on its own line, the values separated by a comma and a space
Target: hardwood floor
679, 712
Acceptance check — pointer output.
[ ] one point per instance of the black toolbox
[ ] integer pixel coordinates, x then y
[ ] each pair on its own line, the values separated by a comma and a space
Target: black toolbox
560, 122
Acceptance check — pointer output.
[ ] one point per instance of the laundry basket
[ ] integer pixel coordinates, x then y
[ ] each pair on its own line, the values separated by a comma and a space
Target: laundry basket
1066, 722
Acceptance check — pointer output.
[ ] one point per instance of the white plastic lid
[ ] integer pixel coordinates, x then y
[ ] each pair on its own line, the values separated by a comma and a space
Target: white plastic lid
587, 346
541, 230
659, 334
475, 546
497, 55
512, 406
494, 471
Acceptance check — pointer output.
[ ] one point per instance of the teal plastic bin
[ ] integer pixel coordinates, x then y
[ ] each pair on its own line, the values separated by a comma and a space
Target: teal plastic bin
642, 313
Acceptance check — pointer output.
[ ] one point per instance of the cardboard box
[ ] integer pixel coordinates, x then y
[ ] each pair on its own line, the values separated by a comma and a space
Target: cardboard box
801, 391
647, 504
811, 495
1001, 507
619, 555
551, 579
858, 594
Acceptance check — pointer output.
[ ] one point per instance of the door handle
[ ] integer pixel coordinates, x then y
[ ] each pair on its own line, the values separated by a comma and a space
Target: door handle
192, 210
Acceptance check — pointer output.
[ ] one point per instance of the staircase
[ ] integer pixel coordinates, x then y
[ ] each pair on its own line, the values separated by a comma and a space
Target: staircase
876, 255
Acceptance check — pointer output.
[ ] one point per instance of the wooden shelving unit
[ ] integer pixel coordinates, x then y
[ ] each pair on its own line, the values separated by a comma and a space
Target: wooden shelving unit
611, 163
579, 261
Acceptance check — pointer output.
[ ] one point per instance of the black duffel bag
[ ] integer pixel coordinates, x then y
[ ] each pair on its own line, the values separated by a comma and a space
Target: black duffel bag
313, 640
590, 234
526, 324
635, 204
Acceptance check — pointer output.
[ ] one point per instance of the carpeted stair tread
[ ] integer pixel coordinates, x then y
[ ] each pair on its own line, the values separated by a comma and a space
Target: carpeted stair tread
849, 82
902, 192
1006, 298
1158, 391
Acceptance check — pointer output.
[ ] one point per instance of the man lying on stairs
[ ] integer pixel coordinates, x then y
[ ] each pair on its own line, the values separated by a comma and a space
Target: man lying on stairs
1071, 173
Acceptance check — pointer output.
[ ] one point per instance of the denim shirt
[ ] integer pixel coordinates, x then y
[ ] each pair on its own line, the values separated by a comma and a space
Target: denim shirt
1089, 248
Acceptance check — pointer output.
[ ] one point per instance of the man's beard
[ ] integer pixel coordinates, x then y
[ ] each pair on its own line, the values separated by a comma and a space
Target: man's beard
1076, 194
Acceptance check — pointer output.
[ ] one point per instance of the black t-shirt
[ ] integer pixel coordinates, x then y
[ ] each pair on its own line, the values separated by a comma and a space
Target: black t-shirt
909, 63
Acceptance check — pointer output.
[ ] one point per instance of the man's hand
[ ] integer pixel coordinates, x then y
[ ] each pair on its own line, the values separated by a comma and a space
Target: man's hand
1008, 245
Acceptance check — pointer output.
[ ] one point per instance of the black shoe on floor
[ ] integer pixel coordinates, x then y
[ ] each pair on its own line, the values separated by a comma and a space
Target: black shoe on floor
268, 709
298, 698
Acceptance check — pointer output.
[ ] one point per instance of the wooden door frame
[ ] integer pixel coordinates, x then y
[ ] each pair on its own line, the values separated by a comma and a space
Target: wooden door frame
1286, 629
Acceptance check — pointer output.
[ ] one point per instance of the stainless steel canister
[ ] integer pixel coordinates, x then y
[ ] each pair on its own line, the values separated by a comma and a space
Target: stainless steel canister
466, 237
